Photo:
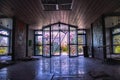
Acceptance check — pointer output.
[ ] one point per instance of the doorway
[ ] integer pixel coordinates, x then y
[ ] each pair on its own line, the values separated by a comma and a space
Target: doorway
57, 39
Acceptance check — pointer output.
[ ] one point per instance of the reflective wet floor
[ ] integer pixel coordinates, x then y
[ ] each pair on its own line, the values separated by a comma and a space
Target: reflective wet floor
61, 68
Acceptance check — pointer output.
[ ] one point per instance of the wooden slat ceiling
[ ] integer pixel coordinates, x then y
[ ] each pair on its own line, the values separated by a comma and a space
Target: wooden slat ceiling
83, 12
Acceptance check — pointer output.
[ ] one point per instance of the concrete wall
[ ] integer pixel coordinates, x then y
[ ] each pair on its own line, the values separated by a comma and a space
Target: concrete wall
89, 41
98, 39
30, 42
6, 22
19, 40
108, 40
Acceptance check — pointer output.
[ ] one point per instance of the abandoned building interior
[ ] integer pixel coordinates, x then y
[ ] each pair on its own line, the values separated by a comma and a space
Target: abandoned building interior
59, 39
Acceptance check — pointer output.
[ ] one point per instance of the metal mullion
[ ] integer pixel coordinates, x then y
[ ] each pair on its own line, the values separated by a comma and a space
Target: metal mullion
69, 39
4, 35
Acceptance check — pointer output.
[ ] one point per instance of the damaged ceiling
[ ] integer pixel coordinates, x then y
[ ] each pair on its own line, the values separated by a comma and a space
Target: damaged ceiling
39, 13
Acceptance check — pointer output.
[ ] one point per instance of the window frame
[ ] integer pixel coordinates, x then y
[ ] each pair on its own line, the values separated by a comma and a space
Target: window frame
114, 34
9, 36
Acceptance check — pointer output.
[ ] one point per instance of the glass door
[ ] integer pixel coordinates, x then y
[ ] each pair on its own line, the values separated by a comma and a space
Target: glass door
55, 40
38, 43
81, 41
73, 42
64, 33
46, 42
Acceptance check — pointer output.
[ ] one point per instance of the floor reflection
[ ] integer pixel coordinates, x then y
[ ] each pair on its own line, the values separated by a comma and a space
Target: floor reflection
3, 74
62, 66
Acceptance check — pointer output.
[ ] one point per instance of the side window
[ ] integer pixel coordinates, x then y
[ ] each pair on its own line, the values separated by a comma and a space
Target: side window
116, 40
4, 41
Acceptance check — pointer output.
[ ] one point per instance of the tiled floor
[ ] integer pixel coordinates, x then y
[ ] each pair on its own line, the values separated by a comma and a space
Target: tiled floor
61, 68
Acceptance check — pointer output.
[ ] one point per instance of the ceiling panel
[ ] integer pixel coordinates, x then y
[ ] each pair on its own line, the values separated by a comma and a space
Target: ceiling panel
83, 12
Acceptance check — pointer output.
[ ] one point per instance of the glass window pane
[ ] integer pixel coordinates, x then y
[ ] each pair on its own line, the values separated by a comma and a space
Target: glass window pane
3, 50
80, 49
72, 28
4, 41
73, 50
116, 43
38, 32
47, 28
55, 48
55, 27
116, 49
38, 40
81, 39
55, 35
116, 39
46, 37
63, 27
46, 50
38, 50
64, 43
4, 32
117, 30
73, 37
55, 43
81, 32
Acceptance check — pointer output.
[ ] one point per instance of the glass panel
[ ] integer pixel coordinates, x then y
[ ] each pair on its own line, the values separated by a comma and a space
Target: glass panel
116, 49
47, 28
46, 50
116, 43
38, 50
117, 30
116, 39
64, 43
3, 50
38, 40
72, 28
73, 37
4, 41
4, 32
81, 39
80, 49
55, 35
46, 42
55, 43
38, 32
63, 27
46, 37
81, 32
55, 27
73, 50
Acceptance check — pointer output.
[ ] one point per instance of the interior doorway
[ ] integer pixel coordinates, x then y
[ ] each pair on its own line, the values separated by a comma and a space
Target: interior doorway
56, 39
59, 39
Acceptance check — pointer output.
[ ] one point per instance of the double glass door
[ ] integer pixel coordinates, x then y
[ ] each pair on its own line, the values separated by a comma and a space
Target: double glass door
59, 39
